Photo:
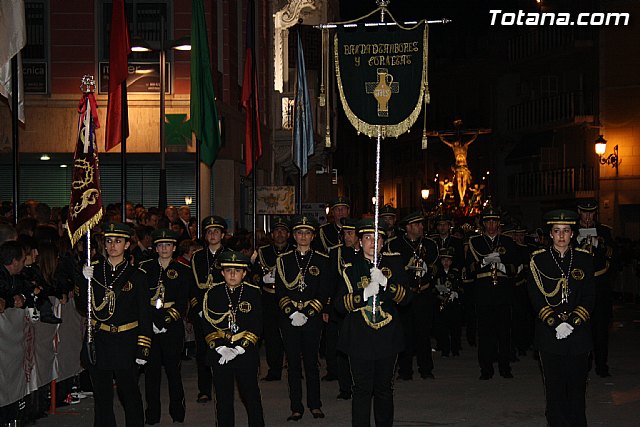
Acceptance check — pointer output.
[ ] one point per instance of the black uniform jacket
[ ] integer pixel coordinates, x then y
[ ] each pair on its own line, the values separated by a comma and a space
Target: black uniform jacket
307, 296
488, 293
206, 272
168, 292
218, 317
120, 314
425, 249
603, 253
546, 291
360, 337
328, 236
265, 262
456, 244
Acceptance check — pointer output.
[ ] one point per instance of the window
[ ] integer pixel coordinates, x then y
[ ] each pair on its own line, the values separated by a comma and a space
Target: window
35, 59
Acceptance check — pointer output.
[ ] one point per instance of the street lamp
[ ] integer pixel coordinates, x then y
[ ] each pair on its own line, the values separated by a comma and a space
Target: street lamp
612, 160
140, 45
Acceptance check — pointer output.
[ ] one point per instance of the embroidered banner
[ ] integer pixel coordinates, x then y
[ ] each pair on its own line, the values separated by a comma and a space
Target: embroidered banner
382, 76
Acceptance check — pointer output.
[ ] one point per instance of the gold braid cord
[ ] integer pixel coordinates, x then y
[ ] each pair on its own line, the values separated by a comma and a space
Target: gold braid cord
208, 318
371, 130
537, 277
280, 267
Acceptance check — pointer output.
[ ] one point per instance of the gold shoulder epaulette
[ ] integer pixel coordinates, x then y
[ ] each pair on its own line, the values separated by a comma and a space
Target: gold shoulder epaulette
583, 250
197, 250
143, 264
391, 253
95, 262
391, 239
261, 248
335, 246
251, 285
218, 284
285, 253
539, 251
321, 254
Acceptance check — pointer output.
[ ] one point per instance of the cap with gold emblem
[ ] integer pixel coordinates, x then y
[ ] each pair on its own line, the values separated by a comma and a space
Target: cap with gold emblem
560, 216
367, 225
388, 210
234, 259
348, 223
490, 213
117, 229
280, 221
412, 218
444, 218
446, 252
304, 221
340, 201
588, 205
214, 221
164, 235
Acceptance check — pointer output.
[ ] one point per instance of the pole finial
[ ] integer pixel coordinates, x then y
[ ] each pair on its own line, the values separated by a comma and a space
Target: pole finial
88, 84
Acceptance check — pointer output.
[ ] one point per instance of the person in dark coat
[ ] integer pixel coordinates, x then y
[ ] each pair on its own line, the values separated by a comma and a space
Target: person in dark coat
121, 328
168, 282
373, 286
562, 291
232, 324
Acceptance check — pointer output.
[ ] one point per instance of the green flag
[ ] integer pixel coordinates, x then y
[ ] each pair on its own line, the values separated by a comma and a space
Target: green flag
204, 115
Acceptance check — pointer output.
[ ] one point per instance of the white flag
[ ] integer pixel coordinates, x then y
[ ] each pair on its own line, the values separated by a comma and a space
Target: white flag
13, 38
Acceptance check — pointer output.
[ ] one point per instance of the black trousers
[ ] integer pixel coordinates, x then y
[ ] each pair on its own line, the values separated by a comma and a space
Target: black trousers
448, 328
128, 392
165, 351
372, 379
470, 317
600, 322
243, 369
522, 329
303, 341
274, 348
337, 361
417, 323
494, 338
565, 384
205, 376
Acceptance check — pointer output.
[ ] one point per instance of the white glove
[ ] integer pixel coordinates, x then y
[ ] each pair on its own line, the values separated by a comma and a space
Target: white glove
140, 362
377, 276
442, 289
371, 290
157, 330
493, 257
239, 349
269, 278
226, 354
501, 267
563, 330
453, 295
298, 319
200, 314
520, 268
87, 272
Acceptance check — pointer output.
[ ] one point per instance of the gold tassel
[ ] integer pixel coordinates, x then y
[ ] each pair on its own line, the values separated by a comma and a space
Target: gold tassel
425, 141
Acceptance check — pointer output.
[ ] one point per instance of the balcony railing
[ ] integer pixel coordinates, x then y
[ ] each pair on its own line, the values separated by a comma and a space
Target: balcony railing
563, 108
553, 182
545, 40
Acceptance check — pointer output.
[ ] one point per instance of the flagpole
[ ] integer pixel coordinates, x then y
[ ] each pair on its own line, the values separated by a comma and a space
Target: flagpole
197, 189
254, 124
14, 137
162, 196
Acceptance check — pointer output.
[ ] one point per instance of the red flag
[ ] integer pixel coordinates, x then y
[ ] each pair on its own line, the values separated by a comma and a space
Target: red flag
118, 51
85, 206
250, 98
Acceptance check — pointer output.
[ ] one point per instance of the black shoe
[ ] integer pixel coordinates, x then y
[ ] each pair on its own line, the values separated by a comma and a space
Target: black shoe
203, 398
317, 413
329, 377
344, 396
271, 377
49, 318
295, 416
506, 375
485, 376
427, 375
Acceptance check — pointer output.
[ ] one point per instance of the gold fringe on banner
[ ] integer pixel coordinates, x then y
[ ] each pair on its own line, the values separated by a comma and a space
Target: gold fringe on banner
371, 130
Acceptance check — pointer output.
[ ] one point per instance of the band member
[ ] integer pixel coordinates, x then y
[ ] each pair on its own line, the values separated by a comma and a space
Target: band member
562, 291
388, 216
372, 332
266, 262
329, 234
491, 264
168, 282
337, 361
232, 314
596, 238
419, 255
444, 239
449, 313
121, 326
302, 290
206, 270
